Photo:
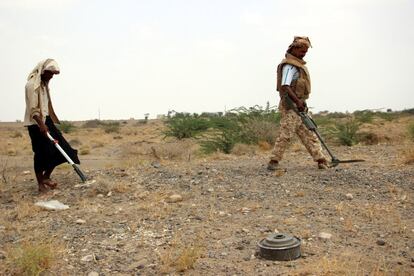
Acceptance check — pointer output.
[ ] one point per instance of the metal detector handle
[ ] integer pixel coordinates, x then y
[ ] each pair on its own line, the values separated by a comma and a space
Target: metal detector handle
75, 167
60, 148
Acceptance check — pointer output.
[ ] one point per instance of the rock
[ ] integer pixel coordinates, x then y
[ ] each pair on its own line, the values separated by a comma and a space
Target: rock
221, 214
325, 236
52, 205
93, 273
210, 190
26, 172
138, 264
174, 198
100, 195
380, 242
80, 221
349, 196
156, 165
245, 210
2, 255
87, 258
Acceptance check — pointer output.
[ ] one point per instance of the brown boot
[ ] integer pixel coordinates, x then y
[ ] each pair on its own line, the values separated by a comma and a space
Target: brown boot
272, 165
323, 164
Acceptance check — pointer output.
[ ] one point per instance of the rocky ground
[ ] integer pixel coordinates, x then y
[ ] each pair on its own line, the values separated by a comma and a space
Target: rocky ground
205, 215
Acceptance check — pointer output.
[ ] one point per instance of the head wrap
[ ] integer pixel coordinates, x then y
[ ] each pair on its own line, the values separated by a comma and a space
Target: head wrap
45, 65
299, 41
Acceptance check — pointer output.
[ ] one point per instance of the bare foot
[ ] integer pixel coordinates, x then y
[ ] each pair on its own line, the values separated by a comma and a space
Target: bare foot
50, 183
42, 188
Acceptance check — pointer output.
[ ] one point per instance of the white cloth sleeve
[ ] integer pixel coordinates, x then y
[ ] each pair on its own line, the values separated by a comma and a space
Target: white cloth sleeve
288, 72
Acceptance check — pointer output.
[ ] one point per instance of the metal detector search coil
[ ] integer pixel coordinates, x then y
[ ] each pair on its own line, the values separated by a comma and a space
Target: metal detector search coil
280, 247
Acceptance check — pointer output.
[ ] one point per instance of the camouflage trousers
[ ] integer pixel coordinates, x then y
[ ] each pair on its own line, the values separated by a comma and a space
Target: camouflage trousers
290, 124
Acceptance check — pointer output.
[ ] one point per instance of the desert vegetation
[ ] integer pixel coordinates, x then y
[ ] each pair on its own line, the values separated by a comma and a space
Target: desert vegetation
191, 195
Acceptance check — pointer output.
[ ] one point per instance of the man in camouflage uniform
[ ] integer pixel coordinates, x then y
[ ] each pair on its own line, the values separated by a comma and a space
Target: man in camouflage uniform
293, 84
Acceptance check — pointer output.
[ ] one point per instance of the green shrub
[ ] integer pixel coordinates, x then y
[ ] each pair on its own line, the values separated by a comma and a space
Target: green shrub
364, 116
111, 127
408, 111
255, 131
322, 121
219, 132
337, 115
242, 125
92, 124
186, 126
346, 132
223, 141
387, 116
66, 126
32, 258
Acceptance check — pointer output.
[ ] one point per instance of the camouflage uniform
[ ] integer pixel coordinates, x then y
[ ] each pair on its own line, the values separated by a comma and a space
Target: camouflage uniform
290, 124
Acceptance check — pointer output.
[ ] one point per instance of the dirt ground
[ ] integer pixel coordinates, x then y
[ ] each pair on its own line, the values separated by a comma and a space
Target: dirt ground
156, 206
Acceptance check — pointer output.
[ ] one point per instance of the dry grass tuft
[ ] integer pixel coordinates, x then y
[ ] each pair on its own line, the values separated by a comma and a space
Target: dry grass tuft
121, 187
265, 146
346, 264
180, 257
26, 209
33, 258
84, 150
243, 149
11, 152
408, 158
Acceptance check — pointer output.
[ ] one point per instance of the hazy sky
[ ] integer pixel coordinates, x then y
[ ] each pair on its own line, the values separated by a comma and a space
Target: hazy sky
125, 58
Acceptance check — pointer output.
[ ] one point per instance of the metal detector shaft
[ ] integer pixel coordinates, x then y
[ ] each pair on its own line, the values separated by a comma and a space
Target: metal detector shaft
311, 125
75, 167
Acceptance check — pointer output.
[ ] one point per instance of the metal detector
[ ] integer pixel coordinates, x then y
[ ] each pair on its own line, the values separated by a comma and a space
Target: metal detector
311, 125
77, 170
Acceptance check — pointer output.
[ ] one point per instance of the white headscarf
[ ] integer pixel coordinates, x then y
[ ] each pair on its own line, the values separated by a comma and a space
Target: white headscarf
45, 65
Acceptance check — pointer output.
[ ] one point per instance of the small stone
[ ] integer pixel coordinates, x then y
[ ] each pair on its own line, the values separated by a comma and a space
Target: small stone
221, 214
100, 195
349, 196
52, 205
174, 198
380, 242
2, 255
87, 258
223, 254
245, 230
156, 165
245, 210
93, 273
210, 190
109, 193
26, 172
325, 236
341, 219
80, 221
